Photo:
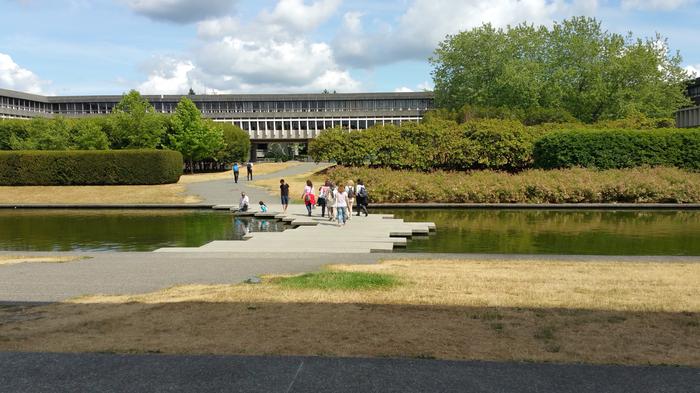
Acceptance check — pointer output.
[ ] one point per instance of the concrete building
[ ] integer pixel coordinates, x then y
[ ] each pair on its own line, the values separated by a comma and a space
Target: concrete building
690, 117
266, 117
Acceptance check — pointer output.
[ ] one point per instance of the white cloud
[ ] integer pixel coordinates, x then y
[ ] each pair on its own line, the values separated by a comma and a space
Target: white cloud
403, 89
14, 77
268, 53
693, 70
180, 11
426, 22
423, 86
662, 5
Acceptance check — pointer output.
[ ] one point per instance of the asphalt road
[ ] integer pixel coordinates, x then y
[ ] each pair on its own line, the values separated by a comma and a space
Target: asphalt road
46, 372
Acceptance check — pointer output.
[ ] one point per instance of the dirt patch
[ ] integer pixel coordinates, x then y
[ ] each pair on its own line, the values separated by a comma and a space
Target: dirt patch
593, 312
13, 260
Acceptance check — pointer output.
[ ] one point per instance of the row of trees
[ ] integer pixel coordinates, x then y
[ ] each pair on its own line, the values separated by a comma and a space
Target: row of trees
133, 124
573, 68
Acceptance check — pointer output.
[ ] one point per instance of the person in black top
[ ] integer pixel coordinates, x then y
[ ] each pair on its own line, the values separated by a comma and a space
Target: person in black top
249, 171
284, 195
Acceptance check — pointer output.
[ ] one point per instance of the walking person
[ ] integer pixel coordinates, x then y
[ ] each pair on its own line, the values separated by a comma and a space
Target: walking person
308, 196
330, 201
350, 189
362, 198
236, 170
249, 171
322, 197
284, 195
341, 205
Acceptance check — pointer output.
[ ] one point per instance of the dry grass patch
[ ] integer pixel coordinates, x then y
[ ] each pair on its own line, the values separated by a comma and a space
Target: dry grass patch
594, 312
162, 193
15, 259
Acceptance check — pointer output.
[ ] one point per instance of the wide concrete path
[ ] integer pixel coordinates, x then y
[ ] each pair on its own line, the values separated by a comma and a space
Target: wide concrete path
46, 372
227, 192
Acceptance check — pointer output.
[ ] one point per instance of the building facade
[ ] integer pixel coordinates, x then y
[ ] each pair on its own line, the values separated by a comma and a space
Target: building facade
266, 117
690, 117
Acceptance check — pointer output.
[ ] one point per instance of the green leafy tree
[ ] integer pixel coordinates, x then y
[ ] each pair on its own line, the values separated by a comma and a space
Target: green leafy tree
574, 67
10, 128
87, 134
236, 145
195, 138
135, 123
44, 134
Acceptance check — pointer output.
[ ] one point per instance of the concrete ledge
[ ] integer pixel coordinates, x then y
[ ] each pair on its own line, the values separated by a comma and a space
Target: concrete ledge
106, 206
543, 206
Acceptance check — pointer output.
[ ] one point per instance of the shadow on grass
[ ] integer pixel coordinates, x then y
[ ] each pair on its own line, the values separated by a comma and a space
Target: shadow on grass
367, 330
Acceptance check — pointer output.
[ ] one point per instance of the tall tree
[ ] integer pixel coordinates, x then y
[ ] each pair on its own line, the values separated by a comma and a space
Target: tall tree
195, 138
136, 125
575, 65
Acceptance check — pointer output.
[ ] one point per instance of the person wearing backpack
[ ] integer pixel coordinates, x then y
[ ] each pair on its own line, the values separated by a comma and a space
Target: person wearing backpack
362, 198
350, 189
308, 196
249, 170
236, 168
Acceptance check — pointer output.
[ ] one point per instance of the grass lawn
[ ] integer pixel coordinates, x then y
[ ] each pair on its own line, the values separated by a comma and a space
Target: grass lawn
560, 311
162, 193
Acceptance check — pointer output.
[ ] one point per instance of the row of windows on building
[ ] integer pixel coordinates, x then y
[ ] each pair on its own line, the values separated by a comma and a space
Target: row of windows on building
317, 124
225, 106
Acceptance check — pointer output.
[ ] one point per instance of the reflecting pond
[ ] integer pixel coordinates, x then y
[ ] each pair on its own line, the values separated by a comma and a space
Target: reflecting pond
603, 232
121, 230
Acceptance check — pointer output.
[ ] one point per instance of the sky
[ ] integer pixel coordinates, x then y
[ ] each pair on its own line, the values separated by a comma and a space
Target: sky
75, 47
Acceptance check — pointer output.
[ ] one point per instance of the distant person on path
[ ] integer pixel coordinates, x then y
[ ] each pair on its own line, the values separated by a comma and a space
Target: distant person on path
341, 204
244, 204
330, 201
323, 195
249, 171
362, 197
284, 195
308, 196
236, 170
263, 207
350, 189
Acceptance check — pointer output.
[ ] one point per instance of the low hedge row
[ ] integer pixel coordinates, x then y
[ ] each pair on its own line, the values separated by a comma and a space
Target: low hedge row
577, 185
93, 167
608, 149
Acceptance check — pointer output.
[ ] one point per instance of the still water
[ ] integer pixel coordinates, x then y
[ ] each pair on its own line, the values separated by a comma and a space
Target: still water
121, 230
602, 232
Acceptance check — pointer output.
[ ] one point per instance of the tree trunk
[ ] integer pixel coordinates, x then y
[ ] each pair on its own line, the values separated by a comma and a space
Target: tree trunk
191, 166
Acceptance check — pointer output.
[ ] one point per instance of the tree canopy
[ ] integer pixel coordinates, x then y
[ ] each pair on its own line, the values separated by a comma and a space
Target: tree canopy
574, 66
136, 124
192, 136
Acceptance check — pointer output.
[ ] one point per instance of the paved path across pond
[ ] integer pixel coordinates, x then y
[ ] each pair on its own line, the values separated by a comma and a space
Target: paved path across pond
49, 372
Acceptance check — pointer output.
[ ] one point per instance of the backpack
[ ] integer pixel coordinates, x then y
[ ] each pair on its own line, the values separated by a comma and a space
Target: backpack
249, 166
351, 192
362, 192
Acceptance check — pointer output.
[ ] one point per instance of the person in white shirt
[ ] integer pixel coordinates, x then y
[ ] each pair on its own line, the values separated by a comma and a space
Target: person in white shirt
341, 205
244, 204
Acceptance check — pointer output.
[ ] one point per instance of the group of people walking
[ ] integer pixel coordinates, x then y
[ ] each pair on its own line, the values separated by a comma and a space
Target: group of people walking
336, 200
237, 168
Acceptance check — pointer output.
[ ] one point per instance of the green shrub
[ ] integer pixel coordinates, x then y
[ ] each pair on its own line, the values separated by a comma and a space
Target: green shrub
40, 168
339, 281
606, 149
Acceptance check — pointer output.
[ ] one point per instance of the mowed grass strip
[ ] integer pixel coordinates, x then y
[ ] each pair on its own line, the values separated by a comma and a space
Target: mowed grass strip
339, 281
604, 312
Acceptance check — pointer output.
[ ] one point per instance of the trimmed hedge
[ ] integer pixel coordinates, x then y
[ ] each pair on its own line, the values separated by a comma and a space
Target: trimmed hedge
74, 167
610, 149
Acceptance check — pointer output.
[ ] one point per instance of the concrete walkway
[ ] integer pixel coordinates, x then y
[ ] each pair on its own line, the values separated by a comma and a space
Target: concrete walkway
227, 192
48, 372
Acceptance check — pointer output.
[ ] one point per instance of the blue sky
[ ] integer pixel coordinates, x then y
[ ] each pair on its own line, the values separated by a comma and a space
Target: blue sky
245, 46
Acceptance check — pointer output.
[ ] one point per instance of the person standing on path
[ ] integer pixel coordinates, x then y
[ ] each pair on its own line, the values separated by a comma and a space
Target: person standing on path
330, 201
341, 204
249, 171
308, 196
362, 198
350, 189
322, 197
236, 170
284, 195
